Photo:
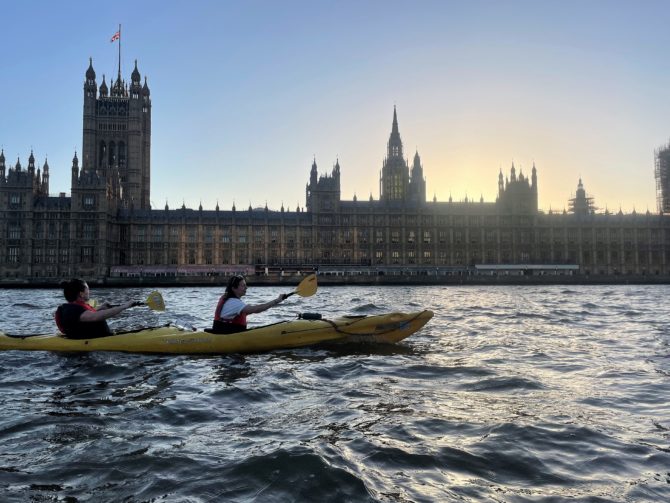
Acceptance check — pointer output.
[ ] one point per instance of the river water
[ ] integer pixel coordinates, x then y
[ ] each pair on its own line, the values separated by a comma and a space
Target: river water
514, 394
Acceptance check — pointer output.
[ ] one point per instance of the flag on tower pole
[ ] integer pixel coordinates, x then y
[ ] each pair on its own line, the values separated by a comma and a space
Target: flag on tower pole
116, 36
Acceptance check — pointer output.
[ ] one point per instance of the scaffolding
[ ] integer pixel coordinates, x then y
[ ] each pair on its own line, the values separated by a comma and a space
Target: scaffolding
581, 204
662, 173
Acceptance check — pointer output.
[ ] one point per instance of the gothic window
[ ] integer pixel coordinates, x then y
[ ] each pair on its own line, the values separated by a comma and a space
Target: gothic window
15, 200
88, 201
122, 153
89, 231
86, 254
427, 237
14, 231
13, 255
112, 154
103, 153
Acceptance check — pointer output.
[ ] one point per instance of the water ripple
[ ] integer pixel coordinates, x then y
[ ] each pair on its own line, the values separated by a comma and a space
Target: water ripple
513, 394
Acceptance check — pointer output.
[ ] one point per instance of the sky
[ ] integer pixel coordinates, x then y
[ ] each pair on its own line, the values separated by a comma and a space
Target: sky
246, 94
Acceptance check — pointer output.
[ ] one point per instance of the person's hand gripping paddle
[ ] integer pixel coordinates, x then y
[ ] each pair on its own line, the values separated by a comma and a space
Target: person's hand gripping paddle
154, 302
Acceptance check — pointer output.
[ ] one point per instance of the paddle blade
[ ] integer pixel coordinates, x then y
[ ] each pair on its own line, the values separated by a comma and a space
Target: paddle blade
307, 286
155, 301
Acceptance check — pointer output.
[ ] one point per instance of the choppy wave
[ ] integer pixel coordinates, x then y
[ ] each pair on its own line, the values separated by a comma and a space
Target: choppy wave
508, 394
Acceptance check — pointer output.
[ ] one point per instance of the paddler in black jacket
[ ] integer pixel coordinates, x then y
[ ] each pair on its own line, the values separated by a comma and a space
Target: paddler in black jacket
77, 319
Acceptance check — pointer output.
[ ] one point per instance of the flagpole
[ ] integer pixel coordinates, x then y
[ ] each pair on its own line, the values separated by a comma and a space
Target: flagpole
119, 52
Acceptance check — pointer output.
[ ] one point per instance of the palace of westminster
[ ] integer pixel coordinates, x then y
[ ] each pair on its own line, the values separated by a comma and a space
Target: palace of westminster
107, 229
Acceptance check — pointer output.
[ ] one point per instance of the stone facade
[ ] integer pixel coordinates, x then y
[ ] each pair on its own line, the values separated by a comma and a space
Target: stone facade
106, 228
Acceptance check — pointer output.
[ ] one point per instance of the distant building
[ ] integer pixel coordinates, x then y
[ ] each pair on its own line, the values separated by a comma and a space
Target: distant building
106, 228
662, 172
581, 204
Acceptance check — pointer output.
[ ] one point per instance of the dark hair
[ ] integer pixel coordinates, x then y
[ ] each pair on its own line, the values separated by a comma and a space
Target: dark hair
72, 288
233, 282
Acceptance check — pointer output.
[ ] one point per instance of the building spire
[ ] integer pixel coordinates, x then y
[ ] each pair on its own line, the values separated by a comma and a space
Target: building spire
395, 143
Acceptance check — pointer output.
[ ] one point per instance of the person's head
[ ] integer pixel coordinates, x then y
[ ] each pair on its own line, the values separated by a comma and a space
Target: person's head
237, 286
74, 289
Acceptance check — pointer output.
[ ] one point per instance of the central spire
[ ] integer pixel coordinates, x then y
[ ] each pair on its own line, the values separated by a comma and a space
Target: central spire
395, 143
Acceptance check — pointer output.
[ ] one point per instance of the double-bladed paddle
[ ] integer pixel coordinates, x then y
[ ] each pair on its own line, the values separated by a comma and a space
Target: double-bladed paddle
154, 302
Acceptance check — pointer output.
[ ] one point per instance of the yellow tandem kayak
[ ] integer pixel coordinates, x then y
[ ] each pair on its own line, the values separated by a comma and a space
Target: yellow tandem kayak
386, 328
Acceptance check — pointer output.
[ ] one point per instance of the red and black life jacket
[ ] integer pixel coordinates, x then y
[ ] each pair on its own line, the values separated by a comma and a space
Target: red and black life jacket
221, 326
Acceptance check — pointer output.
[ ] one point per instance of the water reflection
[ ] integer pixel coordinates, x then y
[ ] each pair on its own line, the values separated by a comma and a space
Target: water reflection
508, 394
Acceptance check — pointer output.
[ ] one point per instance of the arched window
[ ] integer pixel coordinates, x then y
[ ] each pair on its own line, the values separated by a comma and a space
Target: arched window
122, 153
103, 152
112, 153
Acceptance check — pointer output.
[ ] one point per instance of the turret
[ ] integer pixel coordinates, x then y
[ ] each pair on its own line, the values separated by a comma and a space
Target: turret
135, 85
89, 83
104, 91
2, 166
417, 183
75, 170
31, 164
533, 178
146, 101
45, 177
